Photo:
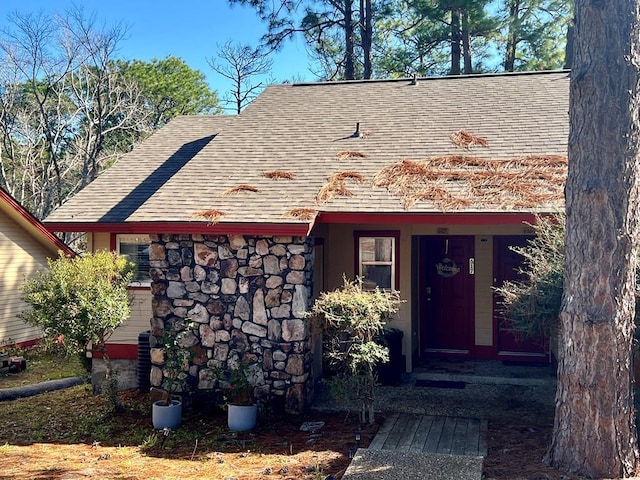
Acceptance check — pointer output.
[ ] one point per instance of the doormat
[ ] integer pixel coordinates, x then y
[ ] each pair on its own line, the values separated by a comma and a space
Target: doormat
455, 367
440, 384
516, 363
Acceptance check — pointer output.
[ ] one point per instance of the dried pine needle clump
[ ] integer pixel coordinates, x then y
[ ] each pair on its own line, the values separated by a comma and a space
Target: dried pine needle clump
279, 175
337, 186
466, 139
414, 181
304, 213
212, 216
457, 181
240, 188
348, 154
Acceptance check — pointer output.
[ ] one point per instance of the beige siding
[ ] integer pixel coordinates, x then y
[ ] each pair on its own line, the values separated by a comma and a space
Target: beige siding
339, 260
20, 255
140, 320
484, 292
99, 241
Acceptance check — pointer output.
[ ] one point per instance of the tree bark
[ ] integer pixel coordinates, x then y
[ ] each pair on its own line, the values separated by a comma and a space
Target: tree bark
455, 42
568, 50
512, 36
594, 430
367, 35
349, 69
466, 43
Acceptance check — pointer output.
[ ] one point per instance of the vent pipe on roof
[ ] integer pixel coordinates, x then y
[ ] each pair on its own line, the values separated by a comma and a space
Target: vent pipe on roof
415, 79
357, 133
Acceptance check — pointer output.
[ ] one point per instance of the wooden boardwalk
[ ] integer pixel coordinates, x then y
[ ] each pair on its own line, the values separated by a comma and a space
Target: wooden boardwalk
432, 434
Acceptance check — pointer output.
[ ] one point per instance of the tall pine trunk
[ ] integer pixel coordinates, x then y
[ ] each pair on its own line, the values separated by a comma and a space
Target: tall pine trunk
349, 69
466, 43
512, 36
455, 42
594, 431
366, 34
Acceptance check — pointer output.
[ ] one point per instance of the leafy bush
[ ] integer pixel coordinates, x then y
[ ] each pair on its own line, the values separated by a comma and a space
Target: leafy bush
533, 304
80, 301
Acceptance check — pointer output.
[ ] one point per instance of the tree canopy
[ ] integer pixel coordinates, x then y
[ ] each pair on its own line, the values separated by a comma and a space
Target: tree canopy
69, 108
350, 39
169, 87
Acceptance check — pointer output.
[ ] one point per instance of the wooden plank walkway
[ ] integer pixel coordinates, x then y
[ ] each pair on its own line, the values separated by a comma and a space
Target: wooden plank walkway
432, 434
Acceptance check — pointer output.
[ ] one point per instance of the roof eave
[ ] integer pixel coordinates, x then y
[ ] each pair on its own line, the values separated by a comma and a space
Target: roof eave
268, 229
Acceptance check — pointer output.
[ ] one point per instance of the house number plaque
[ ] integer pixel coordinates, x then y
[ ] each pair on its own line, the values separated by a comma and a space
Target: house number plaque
447, 268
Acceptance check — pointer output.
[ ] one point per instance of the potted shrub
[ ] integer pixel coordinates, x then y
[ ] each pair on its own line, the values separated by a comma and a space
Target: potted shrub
237, 384
167, 412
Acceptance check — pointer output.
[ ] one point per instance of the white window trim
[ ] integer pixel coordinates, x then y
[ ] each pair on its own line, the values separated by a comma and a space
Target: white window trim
133, 238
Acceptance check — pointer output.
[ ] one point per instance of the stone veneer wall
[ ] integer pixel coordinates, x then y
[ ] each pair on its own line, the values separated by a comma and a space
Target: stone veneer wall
236, 298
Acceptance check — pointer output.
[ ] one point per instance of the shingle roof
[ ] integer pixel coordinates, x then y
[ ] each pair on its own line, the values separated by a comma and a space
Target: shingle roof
194, 163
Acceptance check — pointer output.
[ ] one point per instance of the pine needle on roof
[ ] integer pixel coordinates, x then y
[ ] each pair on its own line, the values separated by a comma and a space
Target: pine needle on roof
337, 186
279, 175
303, 213
458, 181
348, 154
212, 216
240, 188
466, 139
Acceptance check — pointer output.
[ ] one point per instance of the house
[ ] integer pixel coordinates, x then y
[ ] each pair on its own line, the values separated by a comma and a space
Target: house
25, 246
418, 185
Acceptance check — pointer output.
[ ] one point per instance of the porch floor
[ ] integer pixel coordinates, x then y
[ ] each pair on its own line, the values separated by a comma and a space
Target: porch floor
432, 434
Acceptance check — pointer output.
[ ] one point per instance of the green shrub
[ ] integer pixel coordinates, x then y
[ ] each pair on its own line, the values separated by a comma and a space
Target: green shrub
80, 301
352, 319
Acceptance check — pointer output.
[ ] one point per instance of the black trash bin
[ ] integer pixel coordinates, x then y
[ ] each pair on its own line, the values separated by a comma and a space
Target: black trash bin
391, 373
144, 362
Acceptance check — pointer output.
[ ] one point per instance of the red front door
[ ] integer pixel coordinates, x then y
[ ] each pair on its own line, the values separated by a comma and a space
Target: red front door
447, 295
510, 344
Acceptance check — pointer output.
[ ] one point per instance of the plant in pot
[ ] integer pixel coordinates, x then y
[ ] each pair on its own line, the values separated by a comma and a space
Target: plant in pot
167, 412
238, 383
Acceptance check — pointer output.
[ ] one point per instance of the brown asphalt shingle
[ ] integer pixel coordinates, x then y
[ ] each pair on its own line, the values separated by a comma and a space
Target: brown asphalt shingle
305, 129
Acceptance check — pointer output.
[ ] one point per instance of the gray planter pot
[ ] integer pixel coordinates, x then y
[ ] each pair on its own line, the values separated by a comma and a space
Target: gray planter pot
242, 418
166, 416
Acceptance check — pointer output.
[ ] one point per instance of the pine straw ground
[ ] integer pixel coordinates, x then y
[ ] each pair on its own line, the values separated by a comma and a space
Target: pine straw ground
69, 435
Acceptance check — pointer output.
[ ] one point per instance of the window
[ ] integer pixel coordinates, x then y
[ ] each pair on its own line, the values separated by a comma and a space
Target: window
136, 249
377, 256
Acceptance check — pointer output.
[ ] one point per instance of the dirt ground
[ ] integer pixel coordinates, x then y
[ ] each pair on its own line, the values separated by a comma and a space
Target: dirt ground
516, 449
55, 436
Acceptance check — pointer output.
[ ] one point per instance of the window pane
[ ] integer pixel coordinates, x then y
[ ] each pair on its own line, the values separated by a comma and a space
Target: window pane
376, 276
376, 249
139, 254
384, 249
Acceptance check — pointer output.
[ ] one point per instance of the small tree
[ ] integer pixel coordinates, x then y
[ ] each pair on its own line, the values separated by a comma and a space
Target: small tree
352, 320
83, 299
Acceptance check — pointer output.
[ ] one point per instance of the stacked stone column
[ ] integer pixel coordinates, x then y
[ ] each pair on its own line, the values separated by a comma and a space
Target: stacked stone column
236, 298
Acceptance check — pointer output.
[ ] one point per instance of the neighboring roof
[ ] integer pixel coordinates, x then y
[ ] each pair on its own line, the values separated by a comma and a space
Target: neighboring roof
12, 208
221, 169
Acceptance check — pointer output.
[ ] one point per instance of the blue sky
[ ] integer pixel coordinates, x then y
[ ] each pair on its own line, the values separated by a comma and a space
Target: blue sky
189, 29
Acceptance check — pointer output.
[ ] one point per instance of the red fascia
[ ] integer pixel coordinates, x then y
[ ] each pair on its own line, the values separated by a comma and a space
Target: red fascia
427, 219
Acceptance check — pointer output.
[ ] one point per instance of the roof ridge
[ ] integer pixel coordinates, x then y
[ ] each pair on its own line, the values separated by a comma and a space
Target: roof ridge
428, 79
